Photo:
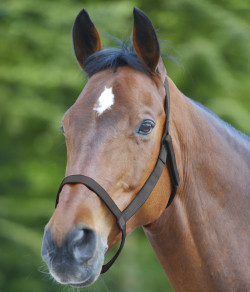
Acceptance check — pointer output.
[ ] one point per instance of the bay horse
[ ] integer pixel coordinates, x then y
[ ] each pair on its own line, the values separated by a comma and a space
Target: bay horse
113, 135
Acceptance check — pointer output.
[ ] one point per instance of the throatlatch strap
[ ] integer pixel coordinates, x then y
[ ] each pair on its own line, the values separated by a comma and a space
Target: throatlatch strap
166, 154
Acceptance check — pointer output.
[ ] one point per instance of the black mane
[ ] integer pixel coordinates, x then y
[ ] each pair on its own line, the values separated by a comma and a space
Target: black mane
114, 58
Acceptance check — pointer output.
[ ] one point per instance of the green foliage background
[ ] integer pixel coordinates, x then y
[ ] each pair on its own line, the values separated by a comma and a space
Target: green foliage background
39, 80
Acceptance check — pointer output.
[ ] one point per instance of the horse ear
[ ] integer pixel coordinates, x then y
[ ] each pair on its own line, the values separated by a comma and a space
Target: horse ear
86, 39
145, 41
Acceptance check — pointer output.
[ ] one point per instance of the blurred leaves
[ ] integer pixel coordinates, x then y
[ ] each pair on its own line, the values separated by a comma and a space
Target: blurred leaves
39, 80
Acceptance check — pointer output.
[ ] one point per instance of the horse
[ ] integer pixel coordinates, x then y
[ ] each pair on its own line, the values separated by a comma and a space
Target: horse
113, 135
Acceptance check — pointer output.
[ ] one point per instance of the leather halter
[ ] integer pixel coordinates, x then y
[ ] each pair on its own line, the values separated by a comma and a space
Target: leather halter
166, 154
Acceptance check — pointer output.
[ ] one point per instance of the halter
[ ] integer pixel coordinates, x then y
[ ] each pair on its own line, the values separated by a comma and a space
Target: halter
166, 154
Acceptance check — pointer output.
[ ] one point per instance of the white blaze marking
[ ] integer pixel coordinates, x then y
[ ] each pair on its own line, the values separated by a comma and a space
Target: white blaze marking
105, 101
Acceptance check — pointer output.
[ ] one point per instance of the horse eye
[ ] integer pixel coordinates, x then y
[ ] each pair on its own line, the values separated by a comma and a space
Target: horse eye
146, 127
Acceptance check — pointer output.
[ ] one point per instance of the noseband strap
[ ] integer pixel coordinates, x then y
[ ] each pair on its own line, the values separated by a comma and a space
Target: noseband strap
166, 155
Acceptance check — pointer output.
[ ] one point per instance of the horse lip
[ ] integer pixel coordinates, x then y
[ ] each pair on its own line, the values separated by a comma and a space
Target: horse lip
81, 285
86, 282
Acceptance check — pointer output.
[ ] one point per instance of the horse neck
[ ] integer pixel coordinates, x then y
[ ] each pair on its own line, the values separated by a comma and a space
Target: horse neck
201, 239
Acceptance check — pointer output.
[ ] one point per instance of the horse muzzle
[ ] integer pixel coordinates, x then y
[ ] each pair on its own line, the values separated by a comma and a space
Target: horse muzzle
78, 261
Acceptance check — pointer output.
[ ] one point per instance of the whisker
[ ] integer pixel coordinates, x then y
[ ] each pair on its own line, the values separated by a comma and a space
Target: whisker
104, 284
60, 145
44, 269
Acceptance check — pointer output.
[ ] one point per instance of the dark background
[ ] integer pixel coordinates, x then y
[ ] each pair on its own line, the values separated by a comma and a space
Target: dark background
40, 79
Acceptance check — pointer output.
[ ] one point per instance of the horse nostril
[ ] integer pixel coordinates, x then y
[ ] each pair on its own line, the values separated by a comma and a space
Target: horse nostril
82, 243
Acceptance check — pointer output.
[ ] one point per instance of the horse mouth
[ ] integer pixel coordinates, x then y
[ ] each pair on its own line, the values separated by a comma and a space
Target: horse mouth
81, 285
80, 276
90, 280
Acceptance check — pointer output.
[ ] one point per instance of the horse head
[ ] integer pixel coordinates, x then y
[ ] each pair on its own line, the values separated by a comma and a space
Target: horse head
113, 134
